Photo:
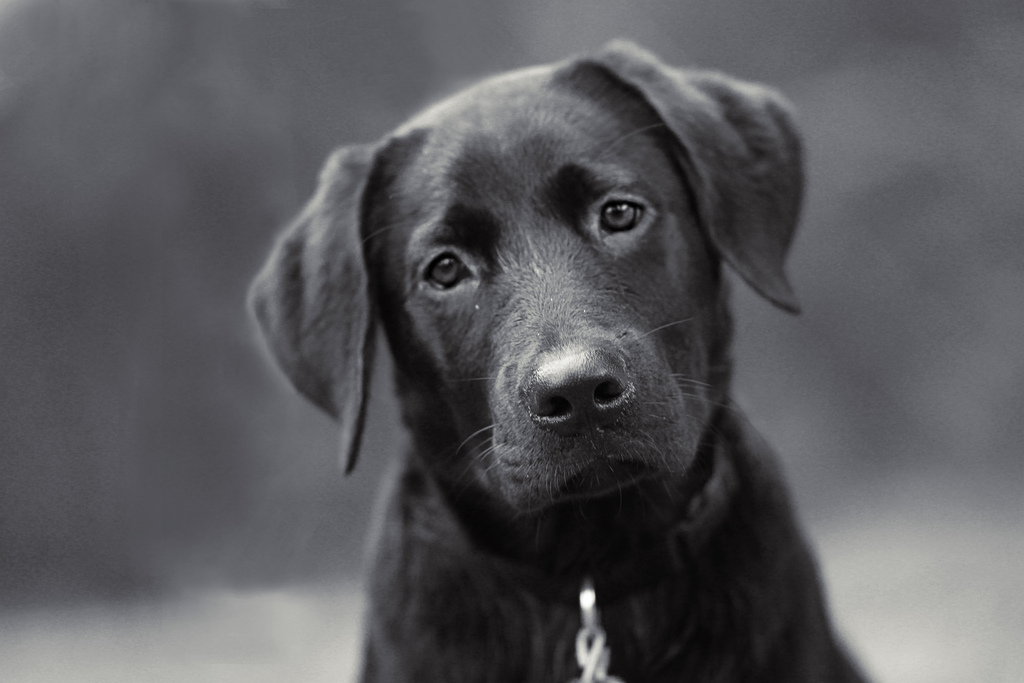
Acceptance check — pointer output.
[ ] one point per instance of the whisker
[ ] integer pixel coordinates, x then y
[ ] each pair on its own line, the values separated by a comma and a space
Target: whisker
661, 327
653, 445
608, 149
709, 402
688, 380
379, 231
467, 471
487, 451
479, 431
682, 392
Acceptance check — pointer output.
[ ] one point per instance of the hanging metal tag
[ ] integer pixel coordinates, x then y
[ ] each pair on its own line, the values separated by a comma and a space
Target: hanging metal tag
592, 652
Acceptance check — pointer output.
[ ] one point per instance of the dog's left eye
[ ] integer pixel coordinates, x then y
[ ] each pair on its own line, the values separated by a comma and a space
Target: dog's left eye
618, 216
446, 271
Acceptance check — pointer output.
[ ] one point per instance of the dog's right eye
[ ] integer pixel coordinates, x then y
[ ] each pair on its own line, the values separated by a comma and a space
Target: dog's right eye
446, 271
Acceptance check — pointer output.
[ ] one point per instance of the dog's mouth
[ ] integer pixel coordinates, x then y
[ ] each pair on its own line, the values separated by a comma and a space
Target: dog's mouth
603, 477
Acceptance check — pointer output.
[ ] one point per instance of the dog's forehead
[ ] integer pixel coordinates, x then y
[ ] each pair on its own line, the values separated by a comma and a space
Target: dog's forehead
501, 140
486, 105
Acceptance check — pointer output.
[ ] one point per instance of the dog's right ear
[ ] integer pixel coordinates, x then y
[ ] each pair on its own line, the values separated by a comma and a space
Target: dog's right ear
312, 298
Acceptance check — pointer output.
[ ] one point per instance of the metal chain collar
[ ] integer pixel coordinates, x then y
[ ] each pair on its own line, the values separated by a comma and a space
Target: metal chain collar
592, 651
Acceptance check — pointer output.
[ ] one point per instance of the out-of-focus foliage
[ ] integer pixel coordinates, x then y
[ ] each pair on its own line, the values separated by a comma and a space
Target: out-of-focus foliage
149, 151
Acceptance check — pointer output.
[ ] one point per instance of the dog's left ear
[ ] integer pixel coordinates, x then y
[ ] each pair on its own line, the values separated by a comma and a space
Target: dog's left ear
741, 151
312, 298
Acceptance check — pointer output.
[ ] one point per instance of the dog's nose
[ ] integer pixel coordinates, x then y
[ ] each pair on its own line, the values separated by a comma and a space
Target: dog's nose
577, 389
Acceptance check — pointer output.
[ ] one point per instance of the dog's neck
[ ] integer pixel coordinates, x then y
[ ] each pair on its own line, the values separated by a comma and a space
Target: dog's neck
626, 542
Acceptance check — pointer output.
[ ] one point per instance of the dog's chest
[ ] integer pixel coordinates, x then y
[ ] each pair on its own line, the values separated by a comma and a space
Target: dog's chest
473, 621
480, 635
463, 631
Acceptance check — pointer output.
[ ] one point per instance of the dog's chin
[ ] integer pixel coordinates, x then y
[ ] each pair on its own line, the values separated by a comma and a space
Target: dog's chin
538, 491
532, 471
603, 478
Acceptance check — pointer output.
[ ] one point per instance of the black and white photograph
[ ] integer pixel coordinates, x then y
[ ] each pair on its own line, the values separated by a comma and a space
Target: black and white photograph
549, 341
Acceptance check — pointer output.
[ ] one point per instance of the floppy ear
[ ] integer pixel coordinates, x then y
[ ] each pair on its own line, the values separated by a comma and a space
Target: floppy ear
312, 298
742, 154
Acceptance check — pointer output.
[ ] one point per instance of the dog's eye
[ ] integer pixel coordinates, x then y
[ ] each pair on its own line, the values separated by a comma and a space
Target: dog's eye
618, 216
446, 271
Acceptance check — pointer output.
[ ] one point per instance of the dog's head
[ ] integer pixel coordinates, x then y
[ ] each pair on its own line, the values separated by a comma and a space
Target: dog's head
543, 252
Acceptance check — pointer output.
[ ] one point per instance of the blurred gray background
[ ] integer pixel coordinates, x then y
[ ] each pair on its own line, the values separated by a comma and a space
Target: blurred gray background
171, 510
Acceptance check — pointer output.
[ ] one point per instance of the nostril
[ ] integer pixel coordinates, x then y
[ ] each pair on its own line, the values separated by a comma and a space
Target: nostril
554, 407
608, 391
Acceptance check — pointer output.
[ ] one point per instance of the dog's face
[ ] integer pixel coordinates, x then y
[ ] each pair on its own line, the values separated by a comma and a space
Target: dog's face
540, 264
543, 251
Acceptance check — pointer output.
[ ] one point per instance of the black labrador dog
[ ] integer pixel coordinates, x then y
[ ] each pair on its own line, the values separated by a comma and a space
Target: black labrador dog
581, 501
